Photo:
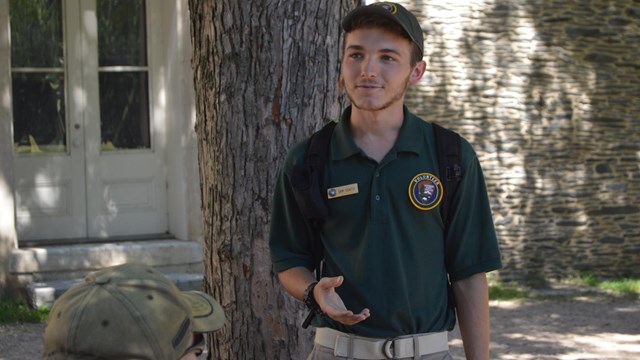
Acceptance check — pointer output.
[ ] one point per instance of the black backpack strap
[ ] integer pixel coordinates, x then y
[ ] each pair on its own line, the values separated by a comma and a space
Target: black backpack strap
306, 182
448, 149
306, 179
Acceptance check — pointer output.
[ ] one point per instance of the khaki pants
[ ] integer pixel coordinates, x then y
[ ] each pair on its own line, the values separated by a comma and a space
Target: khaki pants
323, 353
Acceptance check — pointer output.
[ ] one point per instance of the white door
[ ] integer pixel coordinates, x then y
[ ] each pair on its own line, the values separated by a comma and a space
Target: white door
89, 155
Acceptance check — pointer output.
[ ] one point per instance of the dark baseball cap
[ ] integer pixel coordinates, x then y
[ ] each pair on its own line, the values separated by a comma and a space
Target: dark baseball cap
391, 11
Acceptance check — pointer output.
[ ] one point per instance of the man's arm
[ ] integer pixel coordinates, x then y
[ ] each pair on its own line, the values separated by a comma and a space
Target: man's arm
297, 279
472, 304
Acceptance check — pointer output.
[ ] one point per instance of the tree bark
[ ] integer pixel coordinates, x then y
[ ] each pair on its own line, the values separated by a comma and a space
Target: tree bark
265, 75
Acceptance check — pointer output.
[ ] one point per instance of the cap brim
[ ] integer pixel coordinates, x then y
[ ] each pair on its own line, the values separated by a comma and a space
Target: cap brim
207, 312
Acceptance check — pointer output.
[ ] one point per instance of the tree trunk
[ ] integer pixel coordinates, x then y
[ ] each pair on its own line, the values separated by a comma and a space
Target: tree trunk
265, 76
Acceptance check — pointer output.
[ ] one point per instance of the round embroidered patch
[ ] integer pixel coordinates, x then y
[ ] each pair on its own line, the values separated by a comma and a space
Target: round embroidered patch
425, 191
390, 7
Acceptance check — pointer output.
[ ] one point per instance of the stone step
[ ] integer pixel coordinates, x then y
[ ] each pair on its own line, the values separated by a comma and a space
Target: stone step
43, 294
44, 272
63, 262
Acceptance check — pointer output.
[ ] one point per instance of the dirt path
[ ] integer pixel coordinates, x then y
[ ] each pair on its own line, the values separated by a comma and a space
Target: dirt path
21, 341
567, 328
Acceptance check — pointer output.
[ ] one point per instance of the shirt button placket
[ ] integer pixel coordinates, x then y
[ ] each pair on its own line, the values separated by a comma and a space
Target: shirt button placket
377, 185
376, 203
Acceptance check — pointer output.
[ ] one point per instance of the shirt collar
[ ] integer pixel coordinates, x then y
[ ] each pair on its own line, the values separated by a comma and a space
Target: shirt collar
410, 137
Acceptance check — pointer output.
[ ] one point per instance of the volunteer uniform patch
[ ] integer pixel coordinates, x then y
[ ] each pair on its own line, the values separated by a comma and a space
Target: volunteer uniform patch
425, 191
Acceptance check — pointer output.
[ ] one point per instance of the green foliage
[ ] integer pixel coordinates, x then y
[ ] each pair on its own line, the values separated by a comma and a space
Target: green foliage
11, 312
502, 292
588, 279
630, 287
624, 287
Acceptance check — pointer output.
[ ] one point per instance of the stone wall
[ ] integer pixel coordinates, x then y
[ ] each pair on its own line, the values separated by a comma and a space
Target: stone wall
548, 92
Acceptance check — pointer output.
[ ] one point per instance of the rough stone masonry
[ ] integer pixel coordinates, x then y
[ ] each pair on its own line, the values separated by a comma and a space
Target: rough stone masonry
548, 93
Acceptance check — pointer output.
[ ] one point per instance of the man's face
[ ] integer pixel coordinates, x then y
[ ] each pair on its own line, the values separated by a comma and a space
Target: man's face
196, 348
376, 68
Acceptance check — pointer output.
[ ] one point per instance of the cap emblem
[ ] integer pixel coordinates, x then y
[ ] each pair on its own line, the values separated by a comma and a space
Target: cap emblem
392, 8
425, 191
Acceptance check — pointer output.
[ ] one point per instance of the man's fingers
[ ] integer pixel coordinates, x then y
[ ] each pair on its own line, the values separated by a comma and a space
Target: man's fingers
332, 305
331, 282
347, 317
353, 319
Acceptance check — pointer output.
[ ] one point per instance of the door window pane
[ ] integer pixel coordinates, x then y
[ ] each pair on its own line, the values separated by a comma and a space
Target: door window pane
122, 58
38, 112
124, 110
37, 73
36, 33
122, 32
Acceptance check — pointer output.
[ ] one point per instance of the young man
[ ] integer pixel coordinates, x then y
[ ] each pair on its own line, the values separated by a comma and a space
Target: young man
130, 311
388, 255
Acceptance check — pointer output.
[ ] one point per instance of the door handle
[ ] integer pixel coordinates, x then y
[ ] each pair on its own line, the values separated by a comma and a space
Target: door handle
75, 142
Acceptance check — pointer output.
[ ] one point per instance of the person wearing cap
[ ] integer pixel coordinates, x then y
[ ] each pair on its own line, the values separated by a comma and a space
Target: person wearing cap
388, 258
130, 311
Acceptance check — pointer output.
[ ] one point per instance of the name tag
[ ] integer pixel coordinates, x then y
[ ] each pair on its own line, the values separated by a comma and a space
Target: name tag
341, 191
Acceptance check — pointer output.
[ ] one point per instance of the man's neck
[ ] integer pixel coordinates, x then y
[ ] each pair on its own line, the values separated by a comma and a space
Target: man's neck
375, 132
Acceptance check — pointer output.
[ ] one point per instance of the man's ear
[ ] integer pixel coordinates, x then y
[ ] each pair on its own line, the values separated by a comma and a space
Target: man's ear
418, 70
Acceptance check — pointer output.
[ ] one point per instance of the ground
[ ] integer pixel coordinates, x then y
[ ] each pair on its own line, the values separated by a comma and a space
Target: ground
566, 329
564, 326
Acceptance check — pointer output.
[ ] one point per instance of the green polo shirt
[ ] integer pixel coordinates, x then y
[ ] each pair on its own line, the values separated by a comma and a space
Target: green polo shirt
387, 237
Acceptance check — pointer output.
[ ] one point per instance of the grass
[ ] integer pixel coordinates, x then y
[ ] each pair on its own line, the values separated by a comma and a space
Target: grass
624, 286
11, 312
502, 292
617, 287
629, 287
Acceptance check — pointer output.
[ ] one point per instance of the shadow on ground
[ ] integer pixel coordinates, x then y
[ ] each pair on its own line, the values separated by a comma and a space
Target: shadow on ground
593, 327
558, 327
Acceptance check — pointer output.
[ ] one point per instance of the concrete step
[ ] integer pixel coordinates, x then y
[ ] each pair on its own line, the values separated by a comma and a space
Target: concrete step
45, 293
42, 273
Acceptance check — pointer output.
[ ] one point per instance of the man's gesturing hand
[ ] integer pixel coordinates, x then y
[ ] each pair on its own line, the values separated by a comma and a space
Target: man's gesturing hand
331, 303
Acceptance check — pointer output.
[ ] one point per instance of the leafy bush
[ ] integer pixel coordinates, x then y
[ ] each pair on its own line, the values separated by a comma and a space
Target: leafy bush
11, 312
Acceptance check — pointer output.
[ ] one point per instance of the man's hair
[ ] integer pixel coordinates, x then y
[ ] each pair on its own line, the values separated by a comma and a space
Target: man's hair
379, 22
